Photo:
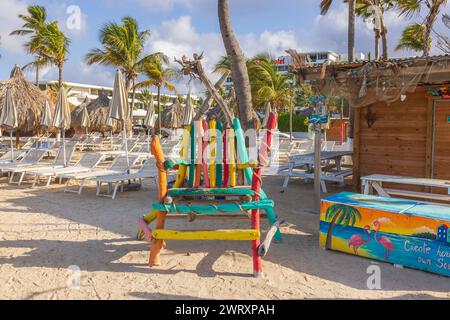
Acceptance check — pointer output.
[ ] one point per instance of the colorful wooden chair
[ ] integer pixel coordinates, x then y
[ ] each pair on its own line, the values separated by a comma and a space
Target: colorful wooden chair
212, 185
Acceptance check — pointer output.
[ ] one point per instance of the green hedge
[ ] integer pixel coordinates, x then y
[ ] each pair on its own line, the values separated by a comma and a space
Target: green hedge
298, 123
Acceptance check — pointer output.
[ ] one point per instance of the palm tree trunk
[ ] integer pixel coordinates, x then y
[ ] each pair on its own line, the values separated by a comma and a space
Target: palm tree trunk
351, 30
384, 38
133, 96
37, 75
377, 44
330, 231
159, 108
60, 70
429, 21
238, 67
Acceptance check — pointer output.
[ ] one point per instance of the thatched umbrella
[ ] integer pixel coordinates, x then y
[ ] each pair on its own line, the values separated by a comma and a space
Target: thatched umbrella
76, 114
29, 101
172, 116
8, 118
98, 111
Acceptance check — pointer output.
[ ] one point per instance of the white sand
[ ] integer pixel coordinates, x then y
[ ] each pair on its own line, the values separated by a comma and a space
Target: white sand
42, 233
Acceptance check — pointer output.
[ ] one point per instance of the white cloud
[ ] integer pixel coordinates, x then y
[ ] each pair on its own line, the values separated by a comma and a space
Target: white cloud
423, 229
10, 22
178, 37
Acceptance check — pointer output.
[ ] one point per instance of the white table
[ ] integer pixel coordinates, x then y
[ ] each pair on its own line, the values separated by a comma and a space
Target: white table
307, 161
375, 182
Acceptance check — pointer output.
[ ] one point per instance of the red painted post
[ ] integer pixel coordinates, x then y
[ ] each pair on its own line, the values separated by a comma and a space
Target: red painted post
263, 156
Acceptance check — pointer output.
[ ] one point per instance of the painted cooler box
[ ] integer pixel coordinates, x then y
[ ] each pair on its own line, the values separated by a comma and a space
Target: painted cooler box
405, 232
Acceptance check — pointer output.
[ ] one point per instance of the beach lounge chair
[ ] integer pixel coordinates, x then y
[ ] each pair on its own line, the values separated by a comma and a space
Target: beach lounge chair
6, 157
32, 157
118, 166
58, 162
87, 162
147, 170
215, 187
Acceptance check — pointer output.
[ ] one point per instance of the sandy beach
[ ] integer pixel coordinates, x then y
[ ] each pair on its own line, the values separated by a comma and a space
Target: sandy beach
43, 233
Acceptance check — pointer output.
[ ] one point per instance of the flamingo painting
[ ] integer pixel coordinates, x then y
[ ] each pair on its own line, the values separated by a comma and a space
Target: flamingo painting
384, 241
357, 241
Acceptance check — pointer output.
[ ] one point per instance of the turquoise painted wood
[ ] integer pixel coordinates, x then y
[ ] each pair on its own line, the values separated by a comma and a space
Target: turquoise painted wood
238, 191
192, 158
216, 208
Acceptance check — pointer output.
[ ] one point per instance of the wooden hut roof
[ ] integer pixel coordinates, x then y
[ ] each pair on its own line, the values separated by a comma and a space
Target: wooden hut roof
364, 82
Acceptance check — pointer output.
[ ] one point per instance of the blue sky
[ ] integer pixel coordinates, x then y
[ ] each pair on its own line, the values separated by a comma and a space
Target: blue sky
187, 26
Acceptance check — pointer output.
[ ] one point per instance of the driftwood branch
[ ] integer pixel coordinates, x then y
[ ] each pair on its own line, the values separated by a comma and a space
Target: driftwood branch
194, 68
208, 101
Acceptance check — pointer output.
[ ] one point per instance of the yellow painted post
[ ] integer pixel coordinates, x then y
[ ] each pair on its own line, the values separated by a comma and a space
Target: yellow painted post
232, 235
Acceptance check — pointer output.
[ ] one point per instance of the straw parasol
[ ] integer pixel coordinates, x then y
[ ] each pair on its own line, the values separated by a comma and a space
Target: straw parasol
62, 119
119, 108
172, 116
29, 101
8, 117
76, 114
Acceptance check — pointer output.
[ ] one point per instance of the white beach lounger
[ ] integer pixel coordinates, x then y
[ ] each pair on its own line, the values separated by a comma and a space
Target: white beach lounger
118, 166
147, 170
6, 158
57, 163
32, 157
87, 162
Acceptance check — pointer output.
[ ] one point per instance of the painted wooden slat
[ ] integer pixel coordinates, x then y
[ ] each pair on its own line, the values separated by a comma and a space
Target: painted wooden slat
198, 158
219, 154
182, 169
239, 235
226, 168
205, 153
212, 144
210, 191
232, 156
192, 158
211, 209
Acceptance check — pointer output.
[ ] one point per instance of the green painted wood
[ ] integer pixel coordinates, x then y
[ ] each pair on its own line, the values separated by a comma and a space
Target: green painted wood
210, 192
214, 209
192, 157
219, 154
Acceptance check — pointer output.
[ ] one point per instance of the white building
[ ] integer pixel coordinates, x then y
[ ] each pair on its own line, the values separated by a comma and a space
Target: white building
77, 92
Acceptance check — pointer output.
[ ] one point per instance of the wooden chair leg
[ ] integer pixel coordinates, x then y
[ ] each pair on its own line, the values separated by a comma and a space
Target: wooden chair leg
257, 263
157, 244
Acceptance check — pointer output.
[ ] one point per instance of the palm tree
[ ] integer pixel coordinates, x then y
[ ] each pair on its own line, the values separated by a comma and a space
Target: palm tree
145, 96
267, 84
325, 6
123, 46
35, 23
374, 10
340, 214
54, 47
410, 8
238, 67
413, 38
158, 74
